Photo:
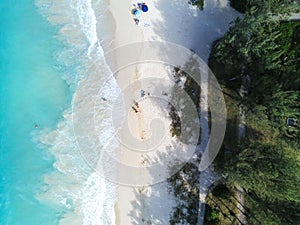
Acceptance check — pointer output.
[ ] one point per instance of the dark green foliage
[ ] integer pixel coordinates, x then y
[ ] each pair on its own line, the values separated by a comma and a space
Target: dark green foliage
176, 123
192, 89
265, 46
185, 186
198, 3
270, 171
275, 213
260, 45
211, 216
273, 7
190, 86
265, 6
249, 45
269, 52
239, 5
222, 206
185, 183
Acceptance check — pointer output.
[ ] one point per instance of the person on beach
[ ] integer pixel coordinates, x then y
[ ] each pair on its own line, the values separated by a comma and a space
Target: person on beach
135, 107
136, 20
136, 103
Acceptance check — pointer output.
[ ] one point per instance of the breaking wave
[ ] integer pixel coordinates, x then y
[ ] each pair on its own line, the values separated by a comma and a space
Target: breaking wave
86, 197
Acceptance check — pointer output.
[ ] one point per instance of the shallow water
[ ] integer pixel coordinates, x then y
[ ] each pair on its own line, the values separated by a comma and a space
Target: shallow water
86, 197
32, 94
44, 179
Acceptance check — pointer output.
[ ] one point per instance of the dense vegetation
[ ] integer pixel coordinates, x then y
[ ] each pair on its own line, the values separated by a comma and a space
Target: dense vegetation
183, 80
185, 183
263, 46
185, 186
266, 6
198, 3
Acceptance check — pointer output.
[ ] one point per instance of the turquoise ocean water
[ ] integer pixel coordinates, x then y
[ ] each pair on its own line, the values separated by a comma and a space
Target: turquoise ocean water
31, 93
46, 48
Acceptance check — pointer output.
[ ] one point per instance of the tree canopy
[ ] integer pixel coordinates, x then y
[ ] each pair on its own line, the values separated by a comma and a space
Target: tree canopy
264, 45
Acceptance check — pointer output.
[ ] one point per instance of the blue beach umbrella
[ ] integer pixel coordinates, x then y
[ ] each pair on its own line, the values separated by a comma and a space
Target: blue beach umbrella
144, 8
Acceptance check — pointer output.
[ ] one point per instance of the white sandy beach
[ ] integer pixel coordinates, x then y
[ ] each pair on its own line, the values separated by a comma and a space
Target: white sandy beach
172, 21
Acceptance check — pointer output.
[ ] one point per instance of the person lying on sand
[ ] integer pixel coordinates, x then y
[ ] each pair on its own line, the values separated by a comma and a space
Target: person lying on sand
135, 107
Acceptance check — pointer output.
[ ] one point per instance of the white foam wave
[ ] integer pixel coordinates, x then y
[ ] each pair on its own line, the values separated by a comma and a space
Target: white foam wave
93, 202
88, 23
85, 197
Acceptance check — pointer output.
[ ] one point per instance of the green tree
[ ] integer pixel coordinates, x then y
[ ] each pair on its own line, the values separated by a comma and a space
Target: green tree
270, 171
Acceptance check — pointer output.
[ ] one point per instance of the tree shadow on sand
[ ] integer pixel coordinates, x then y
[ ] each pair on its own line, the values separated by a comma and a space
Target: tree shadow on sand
195, 29
181, 189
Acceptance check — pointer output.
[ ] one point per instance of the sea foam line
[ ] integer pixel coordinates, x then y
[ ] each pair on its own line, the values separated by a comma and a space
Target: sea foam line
86, 196
88, 22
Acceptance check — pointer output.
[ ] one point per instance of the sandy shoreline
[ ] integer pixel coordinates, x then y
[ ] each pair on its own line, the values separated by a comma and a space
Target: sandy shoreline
133, 203
153, 204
